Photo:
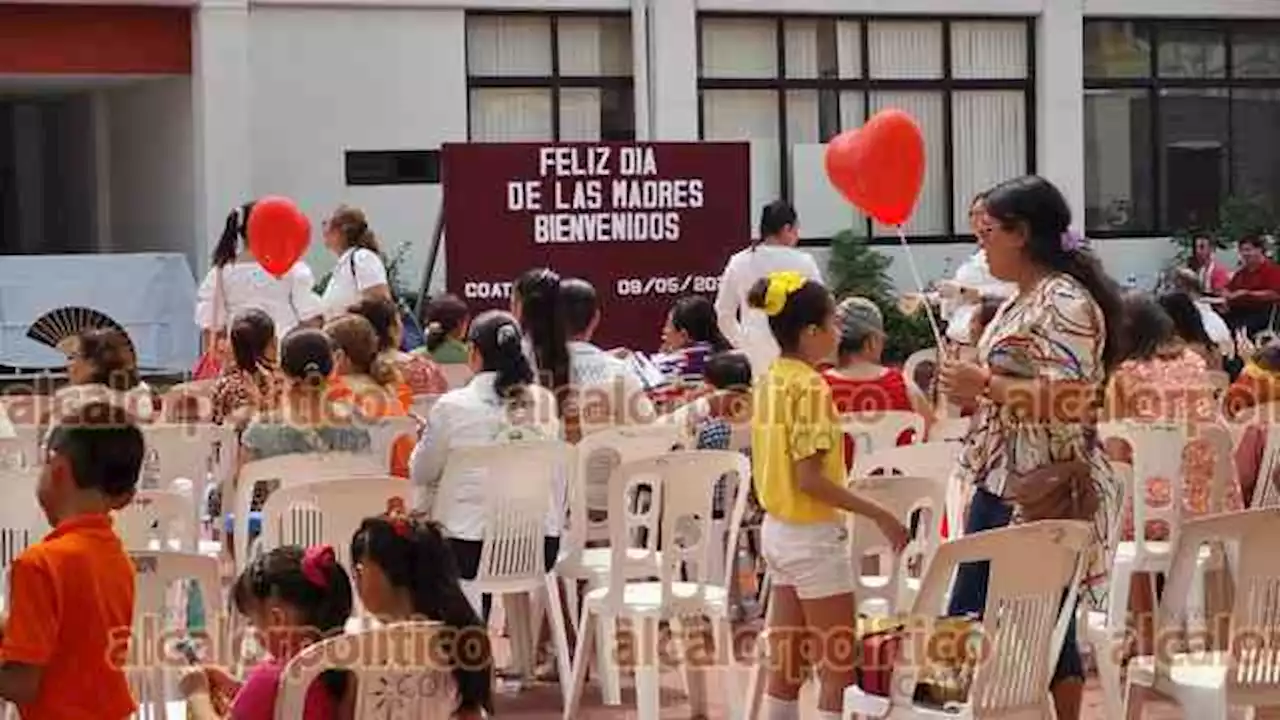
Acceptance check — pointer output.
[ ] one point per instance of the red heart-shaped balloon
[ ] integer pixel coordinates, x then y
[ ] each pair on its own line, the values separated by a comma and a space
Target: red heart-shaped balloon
880, 166
278, 234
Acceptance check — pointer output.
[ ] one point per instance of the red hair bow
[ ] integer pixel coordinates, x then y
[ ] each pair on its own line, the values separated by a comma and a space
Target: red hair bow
316, 563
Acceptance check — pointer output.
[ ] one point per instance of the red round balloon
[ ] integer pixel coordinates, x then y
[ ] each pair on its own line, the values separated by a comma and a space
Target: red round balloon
880, 166
278, 234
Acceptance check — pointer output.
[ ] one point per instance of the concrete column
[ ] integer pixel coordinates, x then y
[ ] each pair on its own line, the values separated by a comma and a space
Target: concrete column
1060, 100
673, 69
221, 102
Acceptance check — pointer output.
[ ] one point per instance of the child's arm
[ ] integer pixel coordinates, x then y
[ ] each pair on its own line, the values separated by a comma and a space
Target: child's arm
812, 482
31, 630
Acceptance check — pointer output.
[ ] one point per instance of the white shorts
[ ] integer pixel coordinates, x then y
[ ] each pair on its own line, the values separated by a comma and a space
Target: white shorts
812, 558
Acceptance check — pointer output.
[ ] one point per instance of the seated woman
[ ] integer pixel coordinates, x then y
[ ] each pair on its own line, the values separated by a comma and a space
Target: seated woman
859, 383
252, 383
500, 404
307, 419
102, 367
368, 381
1250, 400
690, 336
1189, 324
420, 373
1163, 378
445, 320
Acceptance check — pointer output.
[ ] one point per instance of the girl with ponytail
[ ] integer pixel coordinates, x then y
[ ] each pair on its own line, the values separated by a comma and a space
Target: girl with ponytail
405, 570
368, 379
1041, 365
501, 403
236, 283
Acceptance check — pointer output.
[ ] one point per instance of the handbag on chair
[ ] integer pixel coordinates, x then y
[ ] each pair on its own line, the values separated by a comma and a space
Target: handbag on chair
1059, 491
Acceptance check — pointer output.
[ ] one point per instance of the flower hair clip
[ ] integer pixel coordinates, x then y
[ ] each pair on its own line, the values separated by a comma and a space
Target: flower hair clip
1071, 240
317, 561
781, 286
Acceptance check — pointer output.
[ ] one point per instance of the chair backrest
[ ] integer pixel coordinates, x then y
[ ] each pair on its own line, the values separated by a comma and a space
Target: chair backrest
397, 669
22, 522
932, 460
159, 614
1024, 621
384, 432
1266, 490
598, 454
456, 374
292, 469
902, 496
1250, 538
158, 520
327, 512
1157, 454
677, 519
189, 451
518, 489
879, 429
920, 368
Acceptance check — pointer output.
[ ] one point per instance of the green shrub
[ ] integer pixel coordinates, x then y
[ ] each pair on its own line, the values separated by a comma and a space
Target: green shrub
856, 268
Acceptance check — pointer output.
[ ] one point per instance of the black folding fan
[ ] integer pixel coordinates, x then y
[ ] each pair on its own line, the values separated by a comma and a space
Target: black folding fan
56, 327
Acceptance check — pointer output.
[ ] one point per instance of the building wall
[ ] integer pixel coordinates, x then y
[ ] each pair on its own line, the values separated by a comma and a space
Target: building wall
328, 80
151, 170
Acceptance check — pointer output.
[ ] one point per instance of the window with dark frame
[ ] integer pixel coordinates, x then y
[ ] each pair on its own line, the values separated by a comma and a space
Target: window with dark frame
392, 167
787, 84
1179, 116
536, 77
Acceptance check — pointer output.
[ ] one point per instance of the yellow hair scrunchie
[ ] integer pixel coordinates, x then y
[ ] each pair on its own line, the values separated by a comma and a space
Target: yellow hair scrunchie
781, 286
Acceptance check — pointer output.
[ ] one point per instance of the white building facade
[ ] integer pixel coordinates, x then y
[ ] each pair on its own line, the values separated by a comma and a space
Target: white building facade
1147, 113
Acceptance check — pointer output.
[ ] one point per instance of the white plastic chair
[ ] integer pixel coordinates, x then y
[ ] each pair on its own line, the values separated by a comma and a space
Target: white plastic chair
158, 520
194, 452
326, 512
914, 363
1024, 623
157, 618
879, 429
397, 674
1205, 682
931, 460
384, 432
456, 374
22, 521
286, 470
523, 490
678, 524
598, 454
1265, 492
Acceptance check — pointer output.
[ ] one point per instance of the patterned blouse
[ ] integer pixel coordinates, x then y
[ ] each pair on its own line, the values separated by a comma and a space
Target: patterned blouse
244, 391
1056, 332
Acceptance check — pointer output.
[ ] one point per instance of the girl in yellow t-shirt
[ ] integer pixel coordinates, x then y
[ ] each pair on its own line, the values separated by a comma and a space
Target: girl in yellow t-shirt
799, 474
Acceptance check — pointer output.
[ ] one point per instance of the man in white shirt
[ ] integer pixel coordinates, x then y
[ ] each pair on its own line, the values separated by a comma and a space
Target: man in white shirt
606, 391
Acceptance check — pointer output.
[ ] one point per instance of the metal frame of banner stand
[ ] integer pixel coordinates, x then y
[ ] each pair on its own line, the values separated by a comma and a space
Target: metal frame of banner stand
437, 237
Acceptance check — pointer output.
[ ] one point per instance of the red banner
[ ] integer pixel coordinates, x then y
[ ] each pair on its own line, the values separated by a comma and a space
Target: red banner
644, 223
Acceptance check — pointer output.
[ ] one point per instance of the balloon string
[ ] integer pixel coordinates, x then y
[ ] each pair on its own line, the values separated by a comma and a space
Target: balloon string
928, 307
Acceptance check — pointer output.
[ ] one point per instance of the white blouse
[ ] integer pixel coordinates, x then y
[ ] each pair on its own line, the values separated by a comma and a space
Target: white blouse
973, 273
469, 416
357, 270
245, 285
747, 327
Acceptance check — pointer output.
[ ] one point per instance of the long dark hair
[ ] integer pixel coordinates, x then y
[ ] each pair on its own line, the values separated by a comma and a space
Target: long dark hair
496, 337
695, 316
234, 234
540, 319
321, 593
1187, 322
1038, 206
1147, 327
306, 356
383, 315
444, 316
414, 555
774, 217
252, 334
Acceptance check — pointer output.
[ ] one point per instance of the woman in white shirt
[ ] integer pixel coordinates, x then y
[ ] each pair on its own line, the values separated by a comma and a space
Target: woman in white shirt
745, 327
359, 273
236, 283
502, 403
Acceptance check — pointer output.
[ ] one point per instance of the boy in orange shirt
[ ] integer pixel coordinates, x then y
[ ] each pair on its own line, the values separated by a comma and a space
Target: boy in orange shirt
71, 594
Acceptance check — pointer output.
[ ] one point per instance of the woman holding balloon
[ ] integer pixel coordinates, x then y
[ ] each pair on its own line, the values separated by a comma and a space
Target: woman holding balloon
745, 327
256, 266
